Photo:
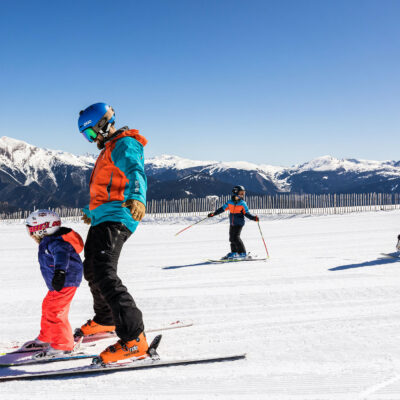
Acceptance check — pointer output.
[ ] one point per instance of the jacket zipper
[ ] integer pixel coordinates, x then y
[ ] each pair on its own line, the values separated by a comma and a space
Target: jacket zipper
109, 186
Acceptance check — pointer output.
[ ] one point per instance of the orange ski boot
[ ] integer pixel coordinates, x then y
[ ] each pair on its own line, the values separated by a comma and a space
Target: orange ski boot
91, 328
136, 349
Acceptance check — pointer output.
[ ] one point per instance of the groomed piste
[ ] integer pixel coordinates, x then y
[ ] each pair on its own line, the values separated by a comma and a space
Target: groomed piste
319, 320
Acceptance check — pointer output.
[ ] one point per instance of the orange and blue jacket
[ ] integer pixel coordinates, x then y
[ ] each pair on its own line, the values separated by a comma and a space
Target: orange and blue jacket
118, 176
238, 210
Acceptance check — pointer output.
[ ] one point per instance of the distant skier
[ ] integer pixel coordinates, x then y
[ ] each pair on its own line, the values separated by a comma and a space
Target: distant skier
117, 203
61, 267
238, 210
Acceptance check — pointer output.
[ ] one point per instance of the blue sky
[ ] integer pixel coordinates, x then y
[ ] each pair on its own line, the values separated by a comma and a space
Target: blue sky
275, 82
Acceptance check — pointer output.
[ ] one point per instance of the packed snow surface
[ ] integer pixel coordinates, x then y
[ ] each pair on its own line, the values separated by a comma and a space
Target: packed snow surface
319, 320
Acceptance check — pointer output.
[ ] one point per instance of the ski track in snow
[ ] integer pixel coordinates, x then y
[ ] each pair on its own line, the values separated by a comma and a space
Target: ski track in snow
319, 320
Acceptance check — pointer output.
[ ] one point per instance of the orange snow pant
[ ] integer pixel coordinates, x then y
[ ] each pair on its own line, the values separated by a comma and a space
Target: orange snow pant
55, 327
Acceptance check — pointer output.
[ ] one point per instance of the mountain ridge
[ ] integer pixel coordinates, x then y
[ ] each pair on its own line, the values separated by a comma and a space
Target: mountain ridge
33, 176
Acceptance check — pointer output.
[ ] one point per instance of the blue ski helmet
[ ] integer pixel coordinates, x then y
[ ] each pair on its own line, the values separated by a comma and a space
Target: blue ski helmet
95, 119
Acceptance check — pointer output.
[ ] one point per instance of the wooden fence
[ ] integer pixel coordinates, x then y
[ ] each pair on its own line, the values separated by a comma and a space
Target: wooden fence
275, 204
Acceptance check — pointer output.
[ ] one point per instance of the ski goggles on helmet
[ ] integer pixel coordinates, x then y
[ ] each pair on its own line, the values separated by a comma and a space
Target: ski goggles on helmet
89, 134
32, 230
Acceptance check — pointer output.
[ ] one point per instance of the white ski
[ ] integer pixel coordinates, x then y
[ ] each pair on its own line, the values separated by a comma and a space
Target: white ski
152, 361
134, 365
236, 260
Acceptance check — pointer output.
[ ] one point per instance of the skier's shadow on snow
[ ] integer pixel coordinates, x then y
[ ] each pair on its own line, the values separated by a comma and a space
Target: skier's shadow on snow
9, 371
378, 261
188, 265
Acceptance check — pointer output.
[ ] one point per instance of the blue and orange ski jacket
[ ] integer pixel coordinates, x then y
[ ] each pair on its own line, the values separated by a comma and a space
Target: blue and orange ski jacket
238, 210
61, 251
118, 176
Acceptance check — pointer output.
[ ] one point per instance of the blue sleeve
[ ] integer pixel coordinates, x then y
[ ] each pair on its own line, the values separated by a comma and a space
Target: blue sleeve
128, 157
247, 213
60, 251
221, 209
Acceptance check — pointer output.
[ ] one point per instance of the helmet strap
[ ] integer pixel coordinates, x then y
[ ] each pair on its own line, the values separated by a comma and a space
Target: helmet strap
103, 126
105, 130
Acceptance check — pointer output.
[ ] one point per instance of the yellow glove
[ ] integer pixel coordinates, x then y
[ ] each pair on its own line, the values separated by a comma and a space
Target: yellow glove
137, 209
86, 219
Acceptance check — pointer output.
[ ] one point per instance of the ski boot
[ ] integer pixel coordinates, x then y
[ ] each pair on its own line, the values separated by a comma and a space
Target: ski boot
230, 256
93, 328
398, 243
135, 349
51, 352
244, 256
33, 345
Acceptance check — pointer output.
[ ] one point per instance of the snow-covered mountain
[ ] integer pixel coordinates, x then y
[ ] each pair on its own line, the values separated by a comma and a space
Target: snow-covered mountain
322, 175
32, 176
331, 175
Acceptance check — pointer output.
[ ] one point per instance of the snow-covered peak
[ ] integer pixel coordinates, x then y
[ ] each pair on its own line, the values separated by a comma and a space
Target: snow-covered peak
11, 142
247, 166
329, 163
29, 161
21, 151
268, 172
25, 163
244, 165
175, 162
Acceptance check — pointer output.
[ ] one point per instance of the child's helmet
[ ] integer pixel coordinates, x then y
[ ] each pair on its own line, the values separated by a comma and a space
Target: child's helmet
42, 223
238, 189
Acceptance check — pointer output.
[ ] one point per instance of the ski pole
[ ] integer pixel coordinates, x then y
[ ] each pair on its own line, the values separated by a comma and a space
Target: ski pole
262, 237
184, 229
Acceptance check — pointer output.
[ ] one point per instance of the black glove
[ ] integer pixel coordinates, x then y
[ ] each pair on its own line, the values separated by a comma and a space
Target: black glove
256, 218
210, 215
58, 279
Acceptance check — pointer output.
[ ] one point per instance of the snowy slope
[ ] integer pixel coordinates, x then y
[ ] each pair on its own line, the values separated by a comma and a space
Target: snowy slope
319, 321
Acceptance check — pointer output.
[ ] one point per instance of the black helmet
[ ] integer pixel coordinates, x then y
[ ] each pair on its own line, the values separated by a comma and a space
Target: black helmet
238, 189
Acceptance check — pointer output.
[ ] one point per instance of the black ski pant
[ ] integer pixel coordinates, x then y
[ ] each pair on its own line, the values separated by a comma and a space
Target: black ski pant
112, 303
237, 245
